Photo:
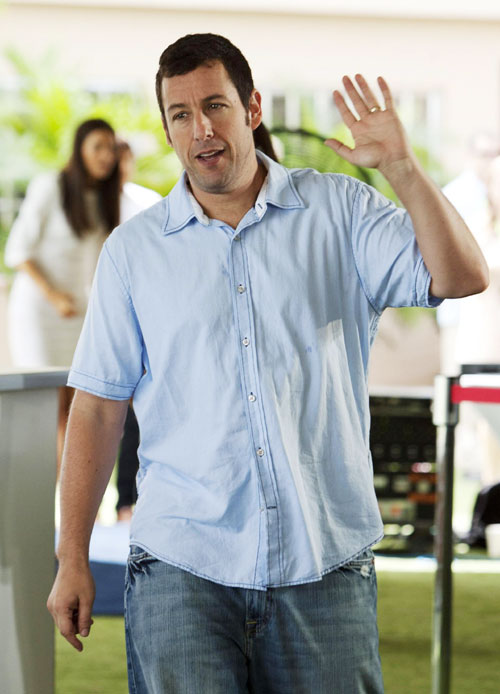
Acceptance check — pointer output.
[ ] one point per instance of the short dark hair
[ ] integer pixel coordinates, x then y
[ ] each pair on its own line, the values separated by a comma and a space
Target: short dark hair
193, 50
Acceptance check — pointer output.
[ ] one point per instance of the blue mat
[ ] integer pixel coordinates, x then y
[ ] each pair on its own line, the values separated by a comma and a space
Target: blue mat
109, 579
108, 558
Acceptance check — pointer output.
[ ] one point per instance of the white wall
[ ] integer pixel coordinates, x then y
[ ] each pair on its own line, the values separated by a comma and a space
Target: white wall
460, 59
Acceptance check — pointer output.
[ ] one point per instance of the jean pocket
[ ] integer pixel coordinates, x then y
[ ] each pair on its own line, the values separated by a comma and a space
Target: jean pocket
138, 555
363, 564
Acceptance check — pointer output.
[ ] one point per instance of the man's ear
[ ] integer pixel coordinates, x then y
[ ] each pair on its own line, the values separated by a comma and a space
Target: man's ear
255, 109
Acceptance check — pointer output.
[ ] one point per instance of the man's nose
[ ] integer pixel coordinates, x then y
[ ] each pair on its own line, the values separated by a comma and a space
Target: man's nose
202, 127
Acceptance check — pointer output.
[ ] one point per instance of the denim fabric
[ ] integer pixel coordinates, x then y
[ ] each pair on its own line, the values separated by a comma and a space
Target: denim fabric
246, 351
187, 635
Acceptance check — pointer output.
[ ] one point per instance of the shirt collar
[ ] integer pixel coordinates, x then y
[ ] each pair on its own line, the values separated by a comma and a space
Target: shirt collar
278, 189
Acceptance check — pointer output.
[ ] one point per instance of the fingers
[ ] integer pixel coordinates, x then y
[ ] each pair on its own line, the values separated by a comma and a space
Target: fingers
66, 620
355, 97
85, 620
386, 92
71, 622
347, 116
362, 97
342, 150
369, 98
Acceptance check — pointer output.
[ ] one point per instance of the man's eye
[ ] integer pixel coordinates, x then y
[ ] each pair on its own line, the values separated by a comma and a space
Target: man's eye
179, 116
214, 107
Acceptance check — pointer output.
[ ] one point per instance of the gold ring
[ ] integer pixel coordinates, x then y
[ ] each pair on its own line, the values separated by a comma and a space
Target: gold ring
374, 108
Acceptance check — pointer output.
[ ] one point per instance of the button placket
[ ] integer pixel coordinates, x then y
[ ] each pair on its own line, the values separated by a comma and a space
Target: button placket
269, 560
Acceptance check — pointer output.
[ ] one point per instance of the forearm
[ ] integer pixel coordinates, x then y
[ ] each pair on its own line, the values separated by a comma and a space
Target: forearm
32, 269
63, 302
449, 250
94, 430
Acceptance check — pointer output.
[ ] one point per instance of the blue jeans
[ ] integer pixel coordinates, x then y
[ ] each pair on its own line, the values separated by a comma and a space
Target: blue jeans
187, 635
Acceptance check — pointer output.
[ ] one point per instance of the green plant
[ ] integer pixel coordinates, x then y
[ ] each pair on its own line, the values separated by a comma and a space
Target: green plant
37, 123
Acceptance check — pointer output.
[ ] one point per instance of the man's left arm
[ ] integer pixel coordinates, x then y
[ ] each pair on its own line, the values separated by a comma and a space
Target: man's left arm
450, 252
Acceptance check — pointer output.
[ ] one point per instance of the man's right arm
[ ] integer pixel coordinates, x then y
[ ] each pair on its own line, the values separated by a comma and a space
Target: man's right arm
94, 430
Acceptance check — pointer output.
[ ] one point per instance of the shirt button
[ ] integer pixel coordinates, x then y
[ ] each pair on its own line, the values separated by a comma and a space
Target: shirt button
245, 341
252, 397
241, 288
260, 452
237, 237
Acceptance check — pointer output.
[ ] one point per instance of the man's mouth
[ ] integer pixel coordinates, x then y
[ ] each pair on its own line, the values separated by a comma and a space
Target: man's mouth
210, 155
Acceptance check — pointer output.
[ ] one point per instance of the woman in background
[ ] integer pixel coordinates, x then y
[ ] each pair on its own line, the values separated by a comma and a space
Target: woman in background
54, 245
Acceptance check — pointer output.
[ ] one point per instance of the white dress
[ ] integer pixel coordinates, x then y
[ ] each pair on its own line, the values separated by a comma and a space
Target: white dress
134, 199
38, 335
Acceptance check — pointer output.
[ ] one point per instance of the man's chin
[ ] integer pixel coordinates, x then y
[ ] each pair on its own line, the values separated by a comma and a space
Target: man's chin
214, 186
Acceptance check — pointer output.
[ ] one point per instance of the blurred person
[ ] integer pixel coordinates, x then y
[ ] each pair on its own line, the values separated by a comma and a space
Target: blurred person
478, 341
478, 336
469, 193
239, 313
54, 245
133, 199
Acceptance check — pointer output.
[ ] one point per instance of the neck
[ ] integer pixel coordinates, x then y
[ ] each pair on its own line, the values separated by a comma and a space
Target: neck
231, 207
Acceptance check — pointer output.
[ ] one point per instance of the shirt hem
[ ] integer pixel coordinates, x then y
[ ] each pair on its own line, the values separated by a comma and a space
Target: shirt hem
263, 587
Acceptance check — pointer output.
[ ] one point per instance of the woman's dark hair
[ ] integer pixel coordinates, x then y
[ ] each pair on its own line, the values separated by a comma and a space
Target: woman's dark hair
193, 50
74, 178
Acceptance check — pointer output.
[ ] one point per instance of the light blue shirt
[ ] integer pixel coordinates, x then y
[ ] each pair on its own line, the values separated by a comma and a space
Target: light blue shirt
246, 352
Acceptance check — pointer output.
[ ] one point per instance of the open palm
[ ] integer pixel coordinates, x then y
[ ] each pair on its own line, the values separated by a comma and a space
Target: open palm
379, 137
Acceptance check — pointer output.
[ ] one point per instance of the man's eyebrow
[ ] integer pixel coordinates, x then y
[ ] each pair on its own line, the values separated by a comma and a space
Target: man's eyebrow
172, 107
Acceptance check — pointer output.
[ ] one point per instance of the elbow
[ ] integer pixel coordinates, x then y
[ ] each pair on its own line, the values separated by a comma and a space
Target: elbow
462, 285
479, 280
484, 281
476, 283
479, 277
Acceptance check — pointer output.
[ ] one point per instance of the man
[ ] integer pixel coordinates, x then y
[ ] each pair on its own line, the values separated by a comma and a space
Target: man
239, 313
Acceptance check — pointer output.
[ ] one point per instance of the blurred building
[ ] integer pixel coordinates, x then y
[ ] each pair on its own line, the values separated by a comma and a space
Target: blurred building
442, 58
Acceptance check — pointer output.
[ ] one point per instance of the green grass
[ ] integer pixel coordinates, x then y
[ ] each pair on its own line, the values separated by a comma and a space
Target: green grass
405, 618
405, 623
101, 667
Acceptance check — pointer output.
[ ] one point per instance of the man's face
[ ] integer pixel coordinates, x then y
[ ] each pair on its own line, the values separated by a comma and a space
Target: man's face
209, 128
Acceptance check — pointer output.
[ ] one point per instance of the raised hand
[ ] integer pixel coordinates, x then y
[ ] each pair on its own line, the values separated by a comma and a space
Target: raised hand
380, 141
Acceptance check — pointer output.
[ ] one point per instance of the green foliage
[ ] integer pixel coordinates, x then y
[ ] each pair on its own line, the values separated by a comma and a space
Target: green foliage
305, 148
4, 232
37, 124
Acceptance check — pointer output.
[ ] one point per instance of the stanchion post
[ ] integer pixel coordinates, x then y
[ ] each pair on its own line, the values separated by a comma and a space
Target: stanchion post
445, 418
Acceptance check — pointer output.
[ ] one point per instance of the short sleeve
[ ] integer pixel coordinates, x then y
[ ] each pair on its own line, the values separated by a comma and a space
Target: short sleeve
108, 359
28, 226
389, 263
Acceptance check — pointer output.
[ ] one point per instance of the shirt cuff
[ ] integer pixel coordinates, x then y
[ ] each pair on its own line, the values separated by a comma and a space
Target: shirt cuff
99, 387
422, 288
